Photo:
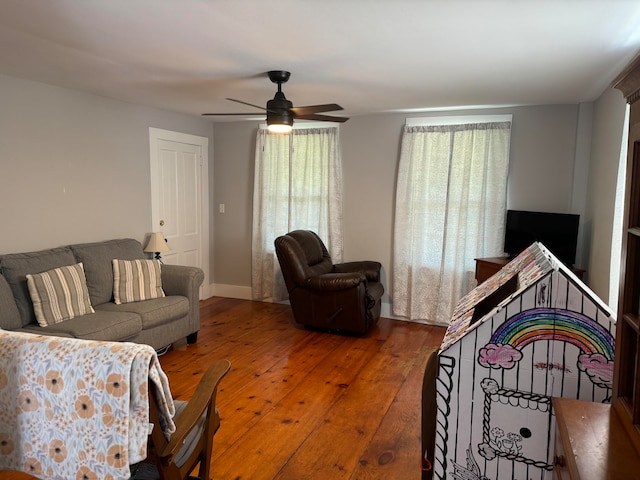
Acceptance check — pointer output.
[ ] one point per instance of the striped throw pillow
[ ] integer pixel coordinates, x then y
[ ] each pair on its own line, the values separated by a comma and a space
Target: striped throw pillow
59, 294
136, 280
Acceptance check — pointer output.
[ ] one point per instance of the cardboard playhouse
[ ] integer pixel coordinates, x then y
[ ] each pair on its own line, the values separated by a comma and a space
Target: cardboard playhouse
531, 332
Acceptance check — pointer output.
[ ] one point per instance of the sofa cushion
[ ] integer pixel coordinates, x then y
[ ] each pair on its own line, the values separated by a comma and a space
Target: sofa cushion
9, 314
97, 258
59, 294
153, 313
102, 326
136, 280
16, 266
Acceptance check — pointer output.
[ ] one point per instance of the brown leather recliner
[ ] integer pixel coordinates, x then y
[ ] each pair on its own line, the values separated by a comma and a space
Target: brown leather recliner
344, 297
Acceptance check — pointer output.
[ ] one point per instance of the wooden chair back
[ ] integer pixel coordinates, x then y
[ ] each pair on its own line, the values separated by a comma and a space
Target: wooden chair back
199, 416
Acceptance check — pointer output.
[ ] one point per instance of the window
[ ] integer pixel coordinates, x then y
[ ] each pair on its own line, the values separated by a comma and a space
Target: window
616, 235
450, 209
297, 186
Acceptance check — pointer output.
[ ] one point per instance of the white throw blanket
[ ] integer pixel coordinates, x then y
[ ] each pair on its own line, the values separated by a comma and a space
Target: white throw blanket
74, 408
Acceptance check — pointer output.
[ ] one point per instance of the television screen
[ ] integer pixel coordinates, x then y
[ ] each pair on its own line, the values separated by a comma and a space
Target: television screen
556, 231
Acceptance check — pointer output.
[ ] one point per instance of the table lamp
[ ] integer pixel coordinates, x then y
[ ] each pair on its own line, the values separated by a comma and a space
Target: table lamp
157, 244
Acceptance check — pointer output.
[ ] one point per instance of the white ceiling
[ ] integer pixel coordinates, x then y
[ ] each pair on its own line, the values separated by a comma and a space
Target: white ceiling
366, 55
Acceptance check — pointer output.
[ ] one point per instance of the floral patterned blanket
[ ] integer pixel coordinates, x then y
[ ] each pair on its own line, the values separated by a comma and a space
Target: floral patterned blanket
74, 408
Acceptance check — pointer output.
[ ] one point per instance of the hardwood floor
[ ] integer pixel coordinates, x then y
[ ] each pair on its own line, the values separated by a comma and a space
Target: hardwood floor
299, 404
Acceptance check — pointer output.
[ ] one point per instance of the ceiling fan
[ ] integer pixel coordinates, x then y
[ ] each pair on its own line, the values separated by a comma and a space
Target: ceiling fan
281, 112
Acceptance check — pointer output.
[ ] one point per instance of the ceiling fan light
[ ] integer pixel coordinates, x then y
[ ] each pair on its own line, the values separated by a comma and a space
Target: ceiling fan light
280, 128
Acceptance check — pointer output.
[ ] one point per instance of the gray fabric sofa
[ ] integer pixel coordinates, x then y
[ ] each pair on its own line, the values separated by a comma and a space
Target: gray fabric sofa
158, 322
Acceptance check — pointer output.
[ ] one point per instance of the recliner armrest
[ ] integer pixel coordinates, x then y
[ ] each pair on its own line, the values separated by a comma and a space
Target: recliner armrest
369, 268
329, 282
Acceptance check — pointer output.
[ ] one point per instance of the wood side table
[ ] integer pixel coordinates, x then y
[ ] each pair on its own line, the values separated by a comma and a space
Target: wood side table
592, 443
487, 267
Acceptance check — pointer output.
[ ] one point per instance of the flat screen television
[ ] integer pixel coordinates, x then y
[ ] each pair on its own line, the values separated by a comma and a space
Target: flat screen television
556, 231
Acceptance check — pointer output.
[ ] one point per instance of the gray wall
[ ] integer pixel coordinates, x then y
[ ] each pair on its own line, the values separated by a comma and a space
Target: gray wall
74, 167
608, 125
541, 177
233, 186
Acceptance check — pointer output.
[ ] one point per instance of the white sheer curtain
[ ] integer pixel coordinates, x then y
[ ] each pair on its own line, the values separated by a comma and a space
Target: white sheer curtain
450, 209
297, 186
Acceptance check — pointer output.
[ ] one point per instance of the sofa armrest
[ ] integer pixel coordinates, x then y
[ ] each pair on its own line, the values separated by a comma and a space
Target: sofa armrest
181, 280
185, 281
369, 268
331, 282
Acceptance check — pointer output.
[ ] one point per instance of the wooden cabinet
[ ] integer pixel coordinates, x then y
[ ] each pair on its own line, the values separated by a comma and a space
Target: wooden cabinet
626, 386
592, 443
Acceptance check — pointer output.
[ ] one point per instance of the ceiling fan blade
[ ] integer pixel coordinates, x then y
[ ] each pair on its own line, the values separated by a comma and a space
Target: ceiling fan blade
246, 103
310, 109
322, 118
227, 114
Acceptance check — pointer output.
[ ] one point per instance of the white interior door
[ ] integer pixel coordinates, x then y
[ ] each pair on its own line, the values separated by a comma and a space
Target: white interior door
179, 192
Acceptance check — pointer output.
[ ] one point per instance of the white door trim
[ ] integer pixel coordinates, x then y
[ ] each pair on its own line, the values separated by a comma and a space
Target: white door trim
157, 134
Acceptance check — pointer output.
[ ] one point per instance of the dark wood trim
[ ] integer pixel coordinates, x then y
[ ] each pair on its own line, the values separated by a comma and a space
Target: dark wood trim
628, 82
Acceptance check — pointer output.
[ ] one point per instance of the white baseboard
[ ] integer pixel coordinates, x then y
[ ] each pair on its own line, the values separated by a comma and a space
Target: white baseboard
206, 291
229, 291
385, 311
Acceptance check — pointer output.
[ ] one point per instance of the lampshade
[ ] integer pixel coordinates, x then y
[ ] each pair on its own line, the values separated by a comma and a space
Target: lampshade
157, 243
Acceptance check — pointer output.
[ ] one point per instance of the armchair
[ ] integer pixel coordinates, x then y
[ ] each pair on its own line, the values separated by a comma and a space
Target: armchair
343, 297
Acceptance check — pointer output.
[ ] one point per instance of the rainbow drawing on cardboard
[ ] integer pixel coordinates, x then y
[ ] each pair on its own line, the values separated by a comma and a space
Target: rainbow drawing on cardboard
596, 344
